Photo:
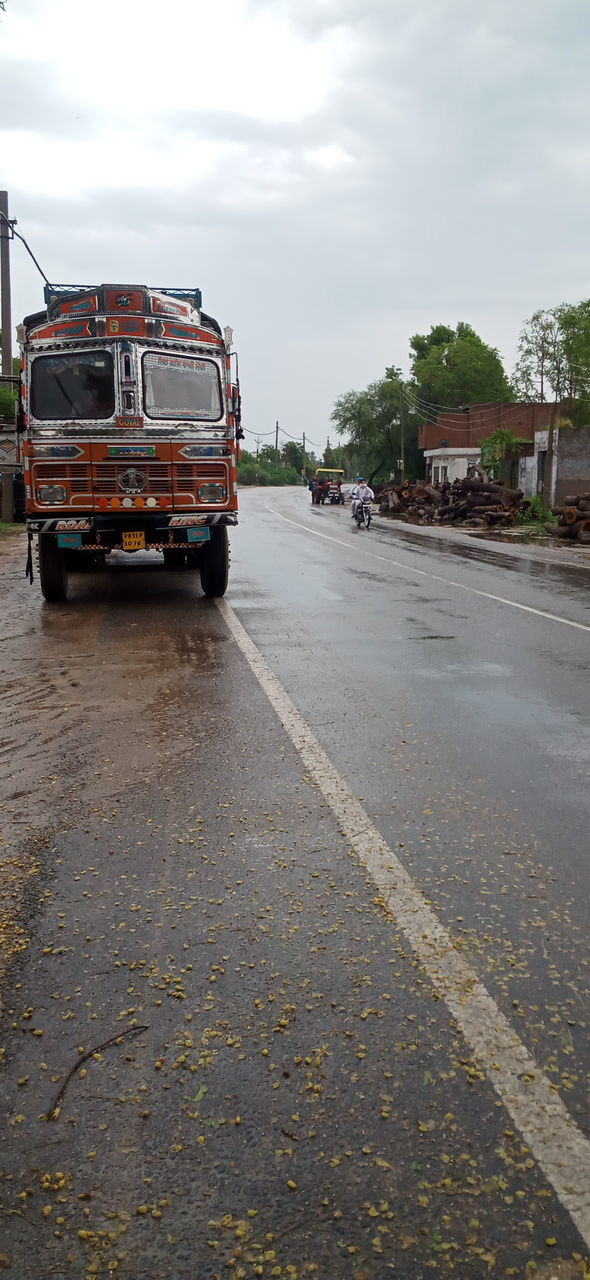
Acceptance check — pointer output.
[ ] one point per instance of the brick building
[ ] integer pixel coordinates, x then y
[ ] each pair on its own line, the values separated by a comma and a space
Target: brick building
451, 442
466, 428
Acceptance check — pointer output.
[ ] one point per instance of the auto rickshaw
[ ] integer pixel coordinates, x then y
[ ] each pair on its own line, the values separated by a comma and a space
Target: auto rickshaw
328, 485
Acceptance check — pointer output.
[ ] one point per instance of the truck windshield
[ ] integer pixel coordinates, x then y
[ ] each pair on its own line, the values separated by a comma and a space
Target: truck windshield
77, 385
181, 387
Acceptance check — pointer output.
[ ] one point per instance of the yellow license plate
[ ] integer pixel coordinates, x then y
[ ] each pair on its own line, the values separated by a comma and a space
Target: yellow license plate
134, 541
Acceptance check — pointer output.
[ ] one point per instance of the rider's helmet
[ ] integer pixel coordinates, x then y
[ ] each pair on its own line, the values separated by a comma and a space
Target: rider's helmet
360, 480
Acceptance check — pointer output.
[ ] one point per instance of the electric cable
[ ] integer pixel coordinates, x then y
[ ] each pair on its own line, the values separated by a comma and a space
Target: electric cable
11, 223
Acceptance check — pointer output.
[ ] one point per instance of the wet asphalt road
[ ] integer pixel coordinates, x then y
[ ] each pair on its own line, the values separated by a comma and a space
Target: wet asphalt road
297, 1101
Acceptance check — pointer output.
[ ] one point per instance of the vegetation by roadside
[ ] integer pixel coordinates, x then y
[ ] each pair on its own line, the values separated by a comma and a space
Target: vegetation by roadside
535, 517
264, 470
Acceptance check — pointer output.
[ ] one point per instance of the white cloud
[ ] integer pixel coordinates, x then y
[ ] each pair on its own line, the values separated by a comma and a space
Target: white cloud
352, 168
142, 60
330, 158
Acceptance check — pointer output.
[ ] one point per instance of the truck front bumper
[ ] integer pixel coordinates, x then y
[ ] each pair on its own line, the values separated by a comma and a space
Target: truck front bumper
105, 532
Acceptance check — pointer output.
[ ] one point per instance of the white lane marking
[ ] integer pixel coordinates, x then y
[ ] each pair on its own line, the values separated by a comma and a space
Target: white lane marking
558, 1145
436, 577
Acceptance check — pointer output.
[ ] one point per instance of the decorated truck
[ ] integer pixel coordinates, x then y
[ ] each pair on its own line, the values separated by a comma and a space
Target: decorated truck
130, 416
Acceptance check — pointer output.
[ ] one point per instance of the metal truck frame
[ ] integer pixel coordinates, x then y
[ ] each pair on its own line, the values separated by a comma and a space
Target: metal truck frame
130, 413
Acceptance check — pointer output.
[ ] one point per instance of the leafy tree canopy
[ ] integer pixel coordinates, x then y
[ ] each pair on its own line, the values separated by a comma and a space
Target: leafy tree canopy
372, 421
554, 354
496, 448
454, 367
330, 458
293, 455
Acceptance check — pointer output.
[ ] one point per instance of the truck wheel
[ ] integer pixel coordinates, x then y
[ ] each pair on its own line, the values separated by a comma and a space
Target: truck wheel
215, 563
53, 573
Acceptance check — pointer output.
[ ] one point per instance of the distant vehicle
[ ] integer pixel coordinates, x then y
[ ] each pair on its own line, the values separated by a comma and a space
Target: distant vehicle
329, 484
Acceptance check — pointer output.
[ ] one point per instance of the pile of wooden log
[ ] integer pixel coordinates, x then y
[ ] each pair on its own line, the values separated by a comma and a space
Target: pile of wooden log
475, 502
574, 519
413, 501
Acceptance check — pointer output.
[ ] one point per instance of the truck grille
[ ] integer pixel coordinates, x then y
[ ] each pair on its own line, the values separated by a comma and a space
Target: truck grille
107, 474
76, 476
194, 473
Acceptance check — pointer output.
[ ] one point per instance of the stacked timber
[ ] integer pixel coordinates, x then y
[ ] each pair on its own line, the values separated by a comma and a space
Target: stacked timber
409, 501
474, 502
574, 519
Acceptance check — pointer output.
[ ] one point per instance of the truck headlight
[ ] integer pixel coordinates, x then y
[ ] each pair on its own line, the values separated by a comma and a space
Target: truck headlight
51, 493
212, 493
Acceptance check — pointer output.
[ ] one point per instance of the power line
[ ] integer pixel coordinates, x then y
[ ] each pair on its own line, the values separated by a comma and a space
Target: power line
296, 438
264, 435
432, 414
484, 415
432, 406
11, 223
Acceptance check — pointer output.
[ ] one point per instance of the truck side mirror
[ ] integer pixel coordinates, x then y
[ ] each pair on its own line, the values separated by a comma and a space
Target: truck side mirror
237, 409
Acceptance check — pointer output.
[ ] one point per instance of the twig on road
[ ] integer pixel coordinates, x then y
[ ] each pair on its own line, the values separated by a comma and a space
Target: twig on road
54, 1110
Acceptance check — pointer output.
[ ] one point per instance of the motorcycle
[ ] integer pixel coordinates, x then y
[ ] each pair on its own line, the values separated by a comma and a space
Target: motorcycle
362, 515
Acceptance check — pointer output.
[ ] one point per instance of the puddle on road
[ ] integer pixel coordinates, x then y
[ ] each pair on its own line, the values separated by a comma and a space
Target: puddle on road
98, 697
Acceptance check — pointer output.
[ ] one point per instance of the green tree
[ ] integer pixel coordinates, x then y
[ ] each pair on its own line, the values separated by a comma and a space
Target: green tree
293, 455
554, 354
574, 320
541, 371
330, 458
454, 367
8, 390
554, 365
268, 455
7, 401
495, 449
371, 419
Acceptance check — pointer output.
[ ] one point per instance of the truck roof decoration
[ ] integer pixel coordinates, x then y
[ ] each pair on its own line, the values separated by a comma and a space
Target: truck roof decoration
83, 304
132, 298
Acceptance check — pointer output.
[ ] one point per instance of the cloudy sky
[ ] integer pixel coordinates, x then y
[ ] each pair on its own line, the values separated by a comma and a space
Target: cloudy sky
336, 175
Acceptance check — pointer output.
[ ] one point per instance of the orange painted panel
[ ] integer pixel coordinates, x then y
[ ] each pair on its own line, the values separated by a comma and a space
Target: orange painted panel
66, 329
124, 300
78, 306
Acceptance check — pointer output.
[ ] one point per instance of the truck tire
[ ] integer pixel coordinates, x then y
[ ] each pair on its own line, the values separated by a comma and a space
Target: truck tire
214, 563
53, 573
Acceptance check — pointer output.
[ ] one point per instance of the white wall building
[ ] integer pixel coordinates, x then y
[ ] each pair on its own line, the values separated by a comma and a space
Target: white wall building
449, 464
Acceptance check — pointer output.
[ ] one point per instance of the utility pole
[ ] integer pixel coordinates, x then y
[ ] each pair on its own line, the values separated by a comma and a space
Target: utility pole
304, 459
277, 443
402, 426
5, 313
258, 443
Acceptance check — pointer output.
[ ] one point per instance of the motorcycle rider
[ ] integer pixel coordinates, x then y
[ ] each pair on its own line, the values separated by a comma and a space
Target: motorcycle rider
361, 493
353, 495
